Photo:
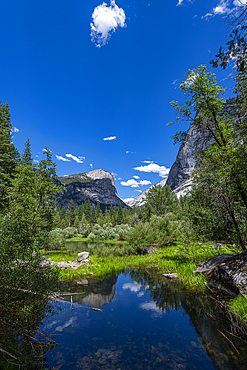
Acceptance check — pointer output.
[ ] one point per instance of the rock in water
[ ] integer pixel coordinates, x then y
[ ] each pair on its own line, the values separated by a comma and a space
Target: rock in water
82, 256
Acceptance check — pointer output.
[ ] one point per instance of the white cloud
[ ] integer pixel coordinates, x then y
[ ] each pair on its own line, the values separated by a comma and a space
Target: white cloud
147, 162
133, 287
140, 294
106, 20
145, 182
135, 184
151, 306
153, 167
91, 165
136, 177
180, 2
78, 159
71, 321
60, 158
221, 8
240, 2
140, 191
35, 161
128, 199
110, 138
14, 129
129, 152
120, 178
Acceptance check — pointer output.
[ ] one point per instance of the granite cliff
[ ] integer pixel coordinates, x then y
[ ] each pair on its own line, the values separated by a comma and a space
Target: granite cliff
96, 186
179, 178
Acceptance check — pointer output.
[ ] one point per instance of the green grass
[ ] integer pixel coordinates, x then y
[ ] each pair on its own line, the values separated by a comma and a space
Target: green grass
78, 239
238, 305
167, 260
112, 241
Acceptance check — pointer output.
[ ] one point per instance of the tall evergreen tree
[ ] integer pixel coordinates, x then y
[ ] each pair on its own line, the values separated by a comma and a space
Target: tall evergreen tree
71, 213
119, 214
8, 155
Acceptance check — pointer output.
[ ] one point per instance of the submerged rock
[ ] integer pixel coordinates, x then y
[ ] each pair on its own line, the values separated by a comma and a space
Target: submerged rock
227, 273
172, 276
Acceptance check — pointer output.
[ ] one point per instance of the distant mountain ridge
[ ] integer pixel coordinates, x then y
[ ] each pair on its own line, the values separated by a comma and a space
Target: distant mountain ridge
95, 186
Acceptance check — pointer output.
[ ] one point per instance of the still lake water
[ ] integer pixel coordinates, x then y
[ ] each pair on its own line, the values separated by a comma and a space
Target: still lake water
146, 323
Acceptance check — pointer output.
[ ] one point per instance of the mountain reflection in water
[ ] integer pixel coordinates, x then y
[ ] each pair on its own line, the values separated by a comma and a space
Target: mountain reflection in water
147, 323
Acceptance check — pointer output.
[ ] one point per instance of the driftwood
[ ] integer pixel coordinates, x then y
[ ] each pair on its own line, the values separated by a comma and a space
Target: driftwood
227, 273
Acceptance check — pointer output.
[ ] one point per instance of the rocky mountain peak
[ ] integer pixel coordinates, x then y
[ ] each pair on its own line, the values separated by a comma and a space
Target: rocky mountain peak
101, 174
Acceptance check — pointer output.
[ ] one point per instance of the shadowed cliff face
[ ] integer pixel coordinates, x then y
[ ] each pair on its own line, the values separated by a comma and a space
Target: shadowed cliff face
92, 292
99, 190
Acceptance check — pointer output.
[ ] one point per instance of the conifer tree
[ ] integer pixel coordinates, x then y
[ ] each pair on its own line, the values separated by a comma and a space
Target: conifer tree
119, 214
71, 212
8, 155
88, 211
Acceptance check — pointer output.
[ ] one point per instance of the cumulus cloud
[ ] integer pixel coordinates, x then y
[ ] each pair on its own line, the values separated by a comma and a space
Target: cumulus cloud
155, 168
151, 306
136, 177
60, 158
106, 20
91, 165
144, 182
78, 159
135, 184
133, 287
110, 138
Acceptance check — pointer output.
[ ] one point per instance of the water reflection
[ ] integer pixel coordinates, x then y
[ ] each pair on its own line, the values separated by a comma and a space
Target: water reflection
147, 323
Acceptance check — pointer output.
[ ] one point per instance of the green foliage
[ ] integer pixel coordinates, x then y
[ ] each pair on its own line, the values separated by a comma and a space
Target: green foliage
160, 231
219, 198
160, 200
8, 156
238, 305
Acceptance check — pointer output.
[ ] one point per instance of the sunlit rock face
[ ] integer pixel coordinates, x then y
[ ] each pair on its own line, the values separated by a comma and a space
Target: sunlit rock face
100, 188
179, 178
141, 198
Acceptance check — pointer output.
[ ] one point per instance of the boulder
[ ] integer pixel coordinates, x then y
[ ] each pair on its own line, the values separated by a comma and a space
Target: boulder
227, 273
82, 256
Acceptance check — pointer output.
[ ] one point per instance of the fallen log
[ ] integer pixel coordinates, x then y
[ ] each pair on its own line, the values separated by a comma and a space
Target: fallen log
226, 273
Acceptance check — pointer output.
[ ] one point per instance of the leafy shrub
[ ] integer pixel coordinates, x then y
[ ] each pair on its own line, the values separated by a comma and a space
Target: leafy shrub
56, 238
69, 232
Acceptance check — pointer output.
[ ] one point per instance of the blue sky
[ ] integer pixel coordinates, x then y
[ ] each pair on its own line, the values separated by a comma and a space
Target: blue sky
92, 80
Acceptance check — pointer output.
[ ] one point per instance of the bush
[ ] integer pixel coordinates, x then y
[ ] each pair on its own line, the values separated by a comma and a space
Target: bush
69, 232
56, 238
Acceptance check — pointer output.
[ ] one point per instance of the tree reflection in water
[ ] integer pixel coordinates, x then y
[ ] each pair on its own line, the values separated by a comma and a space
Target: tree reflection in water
22, 343
222, 334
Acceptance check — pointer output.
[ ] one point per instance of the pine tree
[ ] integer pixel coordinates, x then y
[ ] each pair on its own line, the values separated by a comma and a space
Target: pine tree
71, 212
9, 155
80, 211
119, 214
93, 215
88, 211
